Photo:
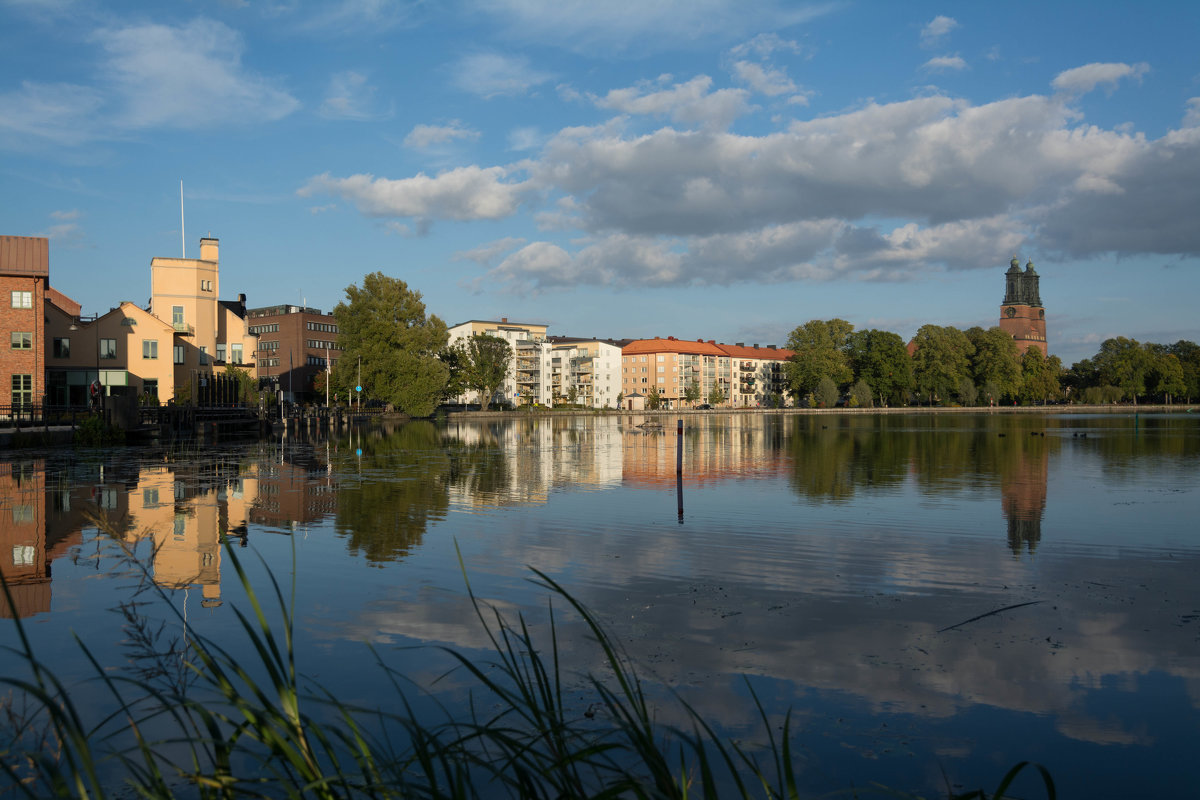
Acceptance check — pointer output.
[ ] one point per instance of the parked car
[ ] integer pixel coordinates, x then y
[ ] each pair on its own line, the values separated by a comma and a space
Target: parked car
704, 407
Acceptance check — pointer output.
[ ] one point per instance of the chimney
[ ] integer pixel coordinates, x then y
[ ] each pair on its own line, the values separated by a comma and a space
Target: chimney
208, 249
504, 319
743, 344
756, 345
242, 303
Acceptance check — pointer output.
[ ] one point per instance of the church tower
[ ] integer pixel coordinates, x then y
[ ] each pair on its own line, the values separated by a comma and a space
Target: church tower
1021, 314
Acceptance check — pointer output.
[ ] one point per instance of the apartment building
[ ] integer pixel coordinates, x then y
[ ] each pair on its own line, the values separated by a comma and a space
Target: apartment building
296, 345
586, 371
530, 376
741, 376
24, 279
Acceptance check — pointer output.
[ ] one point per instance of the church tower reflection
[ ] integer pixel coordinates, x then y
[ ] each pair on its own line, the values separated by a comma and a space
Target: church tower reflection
1023, 492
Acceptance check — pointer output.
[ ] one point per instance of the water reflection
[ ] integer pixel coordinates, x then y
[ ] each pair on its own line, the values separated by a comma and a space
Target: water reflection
824, 556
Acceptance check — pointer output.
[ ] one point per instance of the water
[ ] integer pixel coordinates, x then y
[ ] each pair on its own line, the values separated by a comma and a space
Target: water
840, 566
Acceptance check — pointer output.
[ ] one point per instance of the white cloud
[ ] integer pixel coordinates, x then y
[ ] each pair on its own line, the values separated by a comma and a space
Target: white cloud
1082, 80
943, 63
764, 46
56, 113
1192, 118
691, 102
459, 194
186, 77
525, 138
494, 75
937, 28
488, 253
65, 216
356, 17
764, 80
422, 136
349, 96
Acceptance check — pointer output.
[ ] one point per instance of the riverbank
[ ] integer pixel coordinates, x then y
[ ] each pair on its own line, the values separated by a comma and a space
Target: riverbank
1126, 409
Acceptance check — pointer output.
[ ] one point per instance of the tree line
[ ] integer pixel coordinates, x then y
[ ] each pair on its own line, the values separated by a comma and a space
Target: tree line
401, 356
833, 363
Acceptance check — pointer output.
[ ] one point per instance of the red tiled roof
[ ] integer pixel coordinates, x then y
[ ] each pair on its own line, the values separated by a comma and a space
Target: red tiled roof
710, 348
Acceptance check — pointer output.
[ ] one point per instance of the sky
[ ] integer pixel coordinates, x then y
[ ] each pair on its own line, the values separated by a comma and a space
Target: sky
716, 169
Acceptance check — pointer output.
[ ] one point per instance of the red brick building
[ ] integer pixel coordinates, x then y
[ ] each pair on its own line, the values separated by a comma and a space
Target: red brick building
24, 279
295, 345
1021, 314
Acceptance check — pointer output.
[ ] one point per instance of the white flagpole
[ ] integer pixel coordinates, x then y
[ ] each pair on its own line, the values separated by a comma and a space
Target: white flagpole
182, 232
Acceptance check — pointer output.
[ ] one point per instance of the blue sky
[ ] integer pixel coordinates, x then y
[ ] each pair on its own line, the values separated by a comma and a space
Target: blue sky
717, 169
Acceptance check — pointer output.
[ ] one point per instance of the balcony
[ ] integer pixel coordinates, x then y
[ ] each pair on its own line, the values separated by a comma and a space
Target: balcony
184, 328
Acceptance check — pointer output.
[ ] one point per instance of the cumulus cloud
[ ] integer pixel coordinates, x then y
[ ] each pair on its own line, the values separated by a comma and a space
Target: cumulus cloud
763, 80
460, 194
422, 136
350, 97
1082, 80
944, 63
691, 103
937, 28
189, 76
495, 75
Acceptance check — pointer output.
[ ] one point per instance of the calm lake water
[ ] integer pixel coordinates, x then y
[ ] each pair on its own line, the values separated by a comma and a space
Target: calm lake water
842, 566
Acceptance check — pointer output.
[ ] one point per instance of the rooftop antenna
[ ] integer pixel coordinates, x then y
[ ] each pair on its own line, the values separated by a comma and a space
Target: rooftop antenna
182, 232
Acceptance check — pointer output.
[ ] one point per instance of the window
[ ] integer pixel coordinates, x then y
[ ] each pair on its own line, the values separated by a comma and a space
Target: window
150, 387
178, 354
22, 390
203, 355
235, 353
22, 299
272, 345
206, 286
149, 348
22, 340
108, 348
176, 315
150, 498
220, 352
62, 348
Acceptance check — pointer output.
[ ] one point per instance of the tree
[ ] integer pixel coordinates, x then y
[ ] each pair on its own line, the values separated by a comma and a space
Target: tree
862, 395
454, 356
819, 351
941, 361
1082, 376
692, 393
246, 390
716, 396
1123, 363
996, 361
653, 399
573, 394
1165, 376
1039, 376
1188, 354
826, 393
881, 359
487, 359
967, 392
383, 324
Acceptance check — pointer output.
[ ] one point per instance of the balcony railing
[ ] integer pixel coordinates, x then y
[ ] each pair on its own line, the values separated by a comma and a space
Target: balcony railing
184, 328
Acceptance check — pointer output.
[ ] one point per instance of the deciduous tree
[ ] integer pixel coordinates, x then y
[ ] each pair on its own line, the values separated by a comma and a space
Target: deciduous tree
383, 323
819, 349
942, 359
487, 361
881, 359
996, 362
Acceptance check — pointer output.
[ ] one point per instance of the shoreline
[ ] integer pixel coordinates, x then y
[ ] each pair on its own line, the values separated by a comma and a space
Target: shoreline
1118, 410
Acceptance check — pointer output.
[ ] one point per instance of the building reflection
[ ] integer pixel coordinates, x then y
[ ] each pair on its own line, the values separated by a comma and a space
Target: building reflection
1023, 493
23, 535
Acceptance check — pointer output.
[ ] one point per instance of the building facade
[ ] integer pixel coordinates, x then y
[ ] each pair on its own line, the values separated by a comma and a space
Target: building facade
586, 372
530, 375
1022, 315
297, 346
24, 280
731, 376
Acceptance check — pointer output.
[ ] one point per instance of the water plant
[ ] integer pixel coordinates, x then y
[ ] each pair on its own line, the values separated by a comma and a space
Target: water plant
189, 718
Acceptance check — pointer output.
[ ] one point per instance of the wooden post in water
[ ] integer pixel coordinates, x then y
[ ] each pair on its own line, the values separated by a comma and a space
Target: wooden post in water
679, 466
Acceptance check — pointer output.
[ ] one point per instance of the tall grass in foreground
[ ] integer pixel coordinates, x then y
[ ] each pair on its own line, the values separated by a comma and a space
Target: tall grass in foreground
189, 719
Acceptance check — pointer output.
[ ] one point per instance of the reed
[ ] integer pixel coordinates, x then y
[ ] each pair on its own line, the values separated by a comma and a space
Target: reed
189, 719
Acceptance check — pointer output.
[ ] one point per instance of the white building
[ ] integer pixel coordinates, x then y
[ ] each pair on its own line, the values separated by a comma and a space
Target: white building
587, 371
529, 375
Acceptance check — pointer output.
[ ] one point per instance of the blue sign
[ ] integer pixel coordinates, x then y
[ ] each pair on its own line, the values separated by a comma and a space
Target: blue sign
358, 388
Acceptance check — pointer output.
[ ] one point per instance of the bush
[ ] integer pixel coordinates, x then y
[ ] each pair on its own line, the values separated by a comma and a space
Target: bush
93, 431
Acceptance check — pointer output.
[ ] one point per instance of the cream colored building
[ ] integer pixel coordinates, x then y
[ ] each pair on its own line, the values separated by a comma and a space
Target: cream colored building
529, 377
591, 368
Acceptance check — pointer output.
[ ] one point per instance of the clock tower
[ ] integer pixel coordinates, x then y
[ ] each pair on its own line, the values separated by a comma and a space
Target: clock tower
1021, 314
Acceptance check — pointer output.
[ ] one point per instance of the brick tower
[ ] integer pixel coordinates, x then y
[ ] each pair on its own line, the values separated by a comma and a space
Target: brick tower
1021, 314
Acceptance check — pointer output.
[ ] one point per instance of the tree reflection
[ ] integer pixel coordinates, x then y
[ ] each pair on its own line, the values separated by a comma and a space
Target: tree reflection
833, 456
401, 485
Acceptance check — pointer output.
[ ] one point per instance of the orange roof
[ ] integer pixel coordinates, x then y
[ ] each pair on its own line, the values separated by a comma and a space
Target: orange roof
24, 255
709, 348
62, 301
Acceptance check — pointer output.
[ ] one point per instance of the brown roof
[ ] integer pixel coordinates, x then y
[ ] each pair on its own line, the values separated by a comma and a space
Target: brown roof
62, 301
25, 255
709, 348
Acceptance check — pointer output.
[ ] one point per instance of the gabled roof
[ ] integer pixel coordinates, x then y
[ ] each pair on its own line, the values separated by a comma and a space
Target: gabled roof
62, 302
700, 347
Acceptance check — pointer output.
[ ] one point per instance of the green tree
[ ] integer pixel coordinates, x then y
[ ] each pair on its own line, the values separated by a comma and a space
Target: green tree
1039, 376
819, 351
862, 395
996, 361
941, 361
826, 393
1082, 376
246, 389
573, 394
716, 396
487, 359
1165, 376
1123, 363
881, 359
454, 356
968, 393
653, 399
1188, 354
692, 393
383, 323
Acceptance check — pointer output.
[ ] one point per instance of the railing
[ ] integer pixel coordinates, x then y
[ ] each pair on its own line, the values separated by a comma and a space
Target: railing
30, 414
183, 327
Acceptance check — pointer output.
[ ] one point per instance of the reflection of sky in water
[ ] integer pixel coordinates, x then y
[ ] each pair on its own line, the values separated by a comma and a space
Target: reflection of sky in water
821, 556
